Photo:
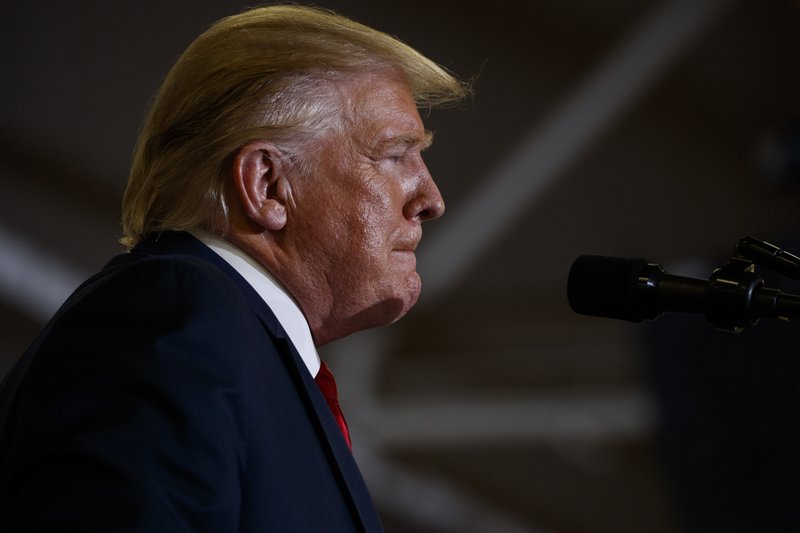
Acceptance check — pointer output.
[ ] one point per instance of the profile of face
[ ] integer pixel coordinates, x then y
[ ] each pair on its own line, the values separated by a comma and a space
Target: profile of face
358, 219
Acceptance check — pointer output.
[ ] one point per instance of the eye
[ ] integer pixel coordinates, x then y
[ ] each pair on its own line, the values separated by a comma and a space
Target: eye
397, 156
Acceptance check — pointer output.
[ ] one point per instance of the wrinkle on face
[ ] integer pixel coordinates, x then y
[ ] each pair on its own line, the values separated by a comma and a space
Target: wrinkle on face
356, 221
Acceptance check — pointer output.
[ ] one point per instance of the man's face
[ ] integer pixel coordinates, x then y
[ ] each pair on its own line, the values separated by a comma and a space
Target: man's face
358, 218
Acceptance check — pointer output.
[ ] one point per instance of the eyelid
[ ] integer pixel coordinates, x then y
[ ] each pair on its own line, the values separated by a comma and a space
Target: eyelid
409, 142
396, 156
403, 146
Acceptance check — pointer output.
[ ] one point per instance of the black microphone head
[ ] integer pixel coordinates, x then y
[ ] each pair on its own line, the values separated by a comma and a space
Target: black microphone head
606, 286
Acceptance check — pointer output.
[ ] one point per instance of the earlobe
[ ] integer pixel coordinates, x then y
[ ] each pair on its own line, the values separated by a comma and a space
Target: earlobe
272, 215
258, 175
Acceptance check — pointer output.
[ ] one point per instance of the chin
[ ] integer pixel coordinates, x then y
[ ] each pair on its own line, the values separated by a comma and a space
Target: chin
397, 300
394, 308
413, 290
406, 307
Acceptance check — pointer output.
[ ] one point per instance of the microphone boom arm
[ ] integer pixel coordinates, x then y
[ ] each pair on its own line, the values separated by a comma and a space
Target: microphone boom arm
733, 298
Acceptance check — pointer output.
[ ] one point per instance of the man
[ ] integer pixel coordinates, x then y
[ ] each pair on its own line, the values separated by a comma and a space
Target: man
274, 205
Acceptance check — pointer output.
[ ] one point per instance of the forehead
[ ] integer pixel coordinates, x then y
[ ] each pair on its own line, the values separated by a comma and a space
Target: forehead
385, 112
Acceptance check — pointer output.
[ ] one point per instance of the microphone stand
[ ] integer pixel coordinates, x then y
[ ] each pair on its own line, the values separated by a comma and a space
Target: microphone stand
735, 295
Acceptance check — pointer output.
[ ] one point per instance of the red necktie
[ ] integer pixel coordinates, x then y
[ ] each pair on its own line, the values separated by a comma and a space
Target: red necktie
327, 385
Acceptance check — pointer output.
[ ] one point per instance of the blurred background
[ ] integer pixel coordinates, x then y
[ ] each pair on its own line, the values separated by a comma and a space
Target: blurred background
665, 130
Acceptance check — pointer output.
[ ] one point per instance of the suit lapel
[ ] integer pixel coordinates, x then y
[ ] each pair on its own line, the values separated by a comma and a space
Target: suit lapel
342, 460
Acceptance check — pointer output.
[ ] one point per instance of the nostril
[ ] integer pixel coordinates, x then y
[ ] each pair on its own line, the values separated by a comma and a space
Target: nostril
427, 203
435, 210
428, 211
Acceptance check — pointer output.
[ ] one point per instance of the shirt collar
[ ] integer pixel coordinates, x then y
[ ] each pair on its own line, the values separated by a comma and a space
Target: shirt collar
271, 291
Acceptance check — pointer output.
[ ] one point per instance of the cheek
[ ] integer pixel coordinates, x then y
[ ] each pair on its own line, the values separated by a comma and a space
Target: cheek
376, 219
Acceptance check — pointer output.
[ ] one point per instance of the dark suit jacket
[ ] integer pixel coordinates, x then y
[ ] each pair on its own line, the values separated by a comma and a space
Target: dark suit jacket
165, 396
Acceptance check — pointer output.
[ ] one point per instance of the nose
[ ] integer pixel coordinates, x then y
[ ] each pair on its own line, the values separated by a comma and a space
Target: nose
427, 204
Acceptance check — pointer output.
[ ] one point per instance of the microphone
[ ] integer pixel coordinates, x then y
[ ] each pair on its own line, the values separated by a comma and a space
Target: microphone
733, 298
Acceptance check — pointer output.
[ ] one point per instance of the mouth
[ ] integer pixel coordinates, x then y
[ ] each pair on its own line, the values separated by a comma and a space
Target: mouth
404, 257
405, 247
411, 248
408, 245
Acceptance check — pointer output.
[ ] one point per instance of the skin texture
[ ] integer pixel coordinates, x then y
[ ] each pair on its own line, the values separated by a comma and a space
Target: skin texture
342, 240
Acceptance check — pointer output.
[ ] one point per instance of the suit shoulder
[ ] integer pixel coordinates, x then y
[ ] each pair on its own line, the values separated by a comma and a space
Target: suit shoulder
145, 303
173, 271
170, 283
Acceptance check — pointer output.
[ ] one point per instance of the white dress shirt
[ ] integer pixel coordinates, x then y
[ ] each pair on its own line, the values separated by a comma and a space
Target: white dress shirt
276, 297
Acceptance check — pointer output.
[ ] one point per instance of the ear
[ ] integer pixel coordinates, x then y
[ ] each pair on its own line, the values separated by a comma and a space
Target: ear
261, 184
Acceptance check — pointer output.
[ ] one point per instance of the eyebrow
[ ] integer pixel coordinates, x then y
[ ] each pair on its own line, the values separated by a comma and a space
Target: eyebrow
408, 141
427, 140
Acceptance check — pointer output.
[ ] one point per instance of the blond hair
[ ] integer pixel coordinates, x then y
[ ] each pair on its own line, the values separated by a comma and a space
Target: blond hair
269, 73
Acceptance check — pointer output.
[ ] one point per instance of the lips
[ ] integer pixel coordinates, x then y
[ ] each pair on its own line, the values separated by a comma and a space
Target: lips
404, 260
411, 248
409, 244
405, 251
